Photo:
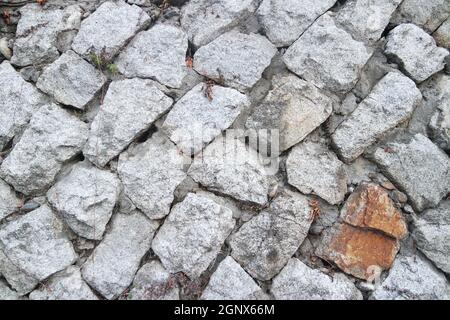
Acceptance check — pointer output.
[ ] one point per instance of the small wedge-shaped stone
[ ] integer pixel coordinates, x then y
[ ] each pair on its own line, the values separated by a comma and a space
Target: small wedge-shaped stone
205, 20
285, 21
19, 100
236, 59
110, 269
109, 28
313, 169
37, 245
150, 173
297, 281
391, 102
53, 137
39, 31
65, 285
228, 167
440, 126
369, 206
231, 282
432, 234
85, 197
415, 51
158, 53
195, 120
327, 56
294, 107
71, 80
129, 109
265, 244
442, 35
9, 202
418, 167
192, 235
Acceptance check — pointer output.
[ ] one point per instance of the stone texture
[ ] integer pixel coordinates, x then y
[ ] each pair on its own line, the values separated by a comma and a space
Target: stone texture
85, 197
369, 206
37, 246
20, 281
66, 285
415, 51
313, 169
153, 282
417, 167
294, 107
442, 34
116, 18
71, 80
195, 120
391, 102
20, 100
129, 108
53, 137
357, 251
158, 53
299, 282
205, 20
228, 167
413, 278
150, 173
40, 33
285, 21
432, 234
231, 282
236, 59
327, 56
110, 269
9, 202
265, 244
6, 293
192, 235
440, 126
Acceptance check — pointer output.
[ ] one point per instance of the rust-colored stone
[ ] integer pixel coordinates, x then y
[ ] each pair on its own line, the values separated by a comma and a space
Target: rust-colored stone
369, 206
359, 252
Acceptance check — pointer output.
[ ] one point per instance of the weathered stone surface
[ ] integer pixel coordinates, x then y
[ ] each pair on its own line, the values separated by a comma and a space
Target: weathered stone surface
231, 282
66, 285
53, 137
9, 202
228, 167
85, 197
299, 282
37, 246
71, 80
313, 169
20, 281
110, 269
442, 35
129, 108
391, 102
285, 21
327, 56
366, 20
150, 173
294, 107
356, 251
192, 235
19, 100
415, 51
40, 32
432, 234
109, 28
158, 53
236, 59
440, 125
6, 293
205, 20
413, 278
418, 168
153, 282
265, 244
195, 120
369, 206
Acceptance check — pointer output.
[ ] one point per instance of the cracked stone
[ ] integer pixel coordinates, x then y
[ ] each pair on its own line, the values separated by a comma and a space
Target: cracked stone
440, 126
192, 235
158, 53
6, 293
53, 137
442, 35
129, 108
9, 202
